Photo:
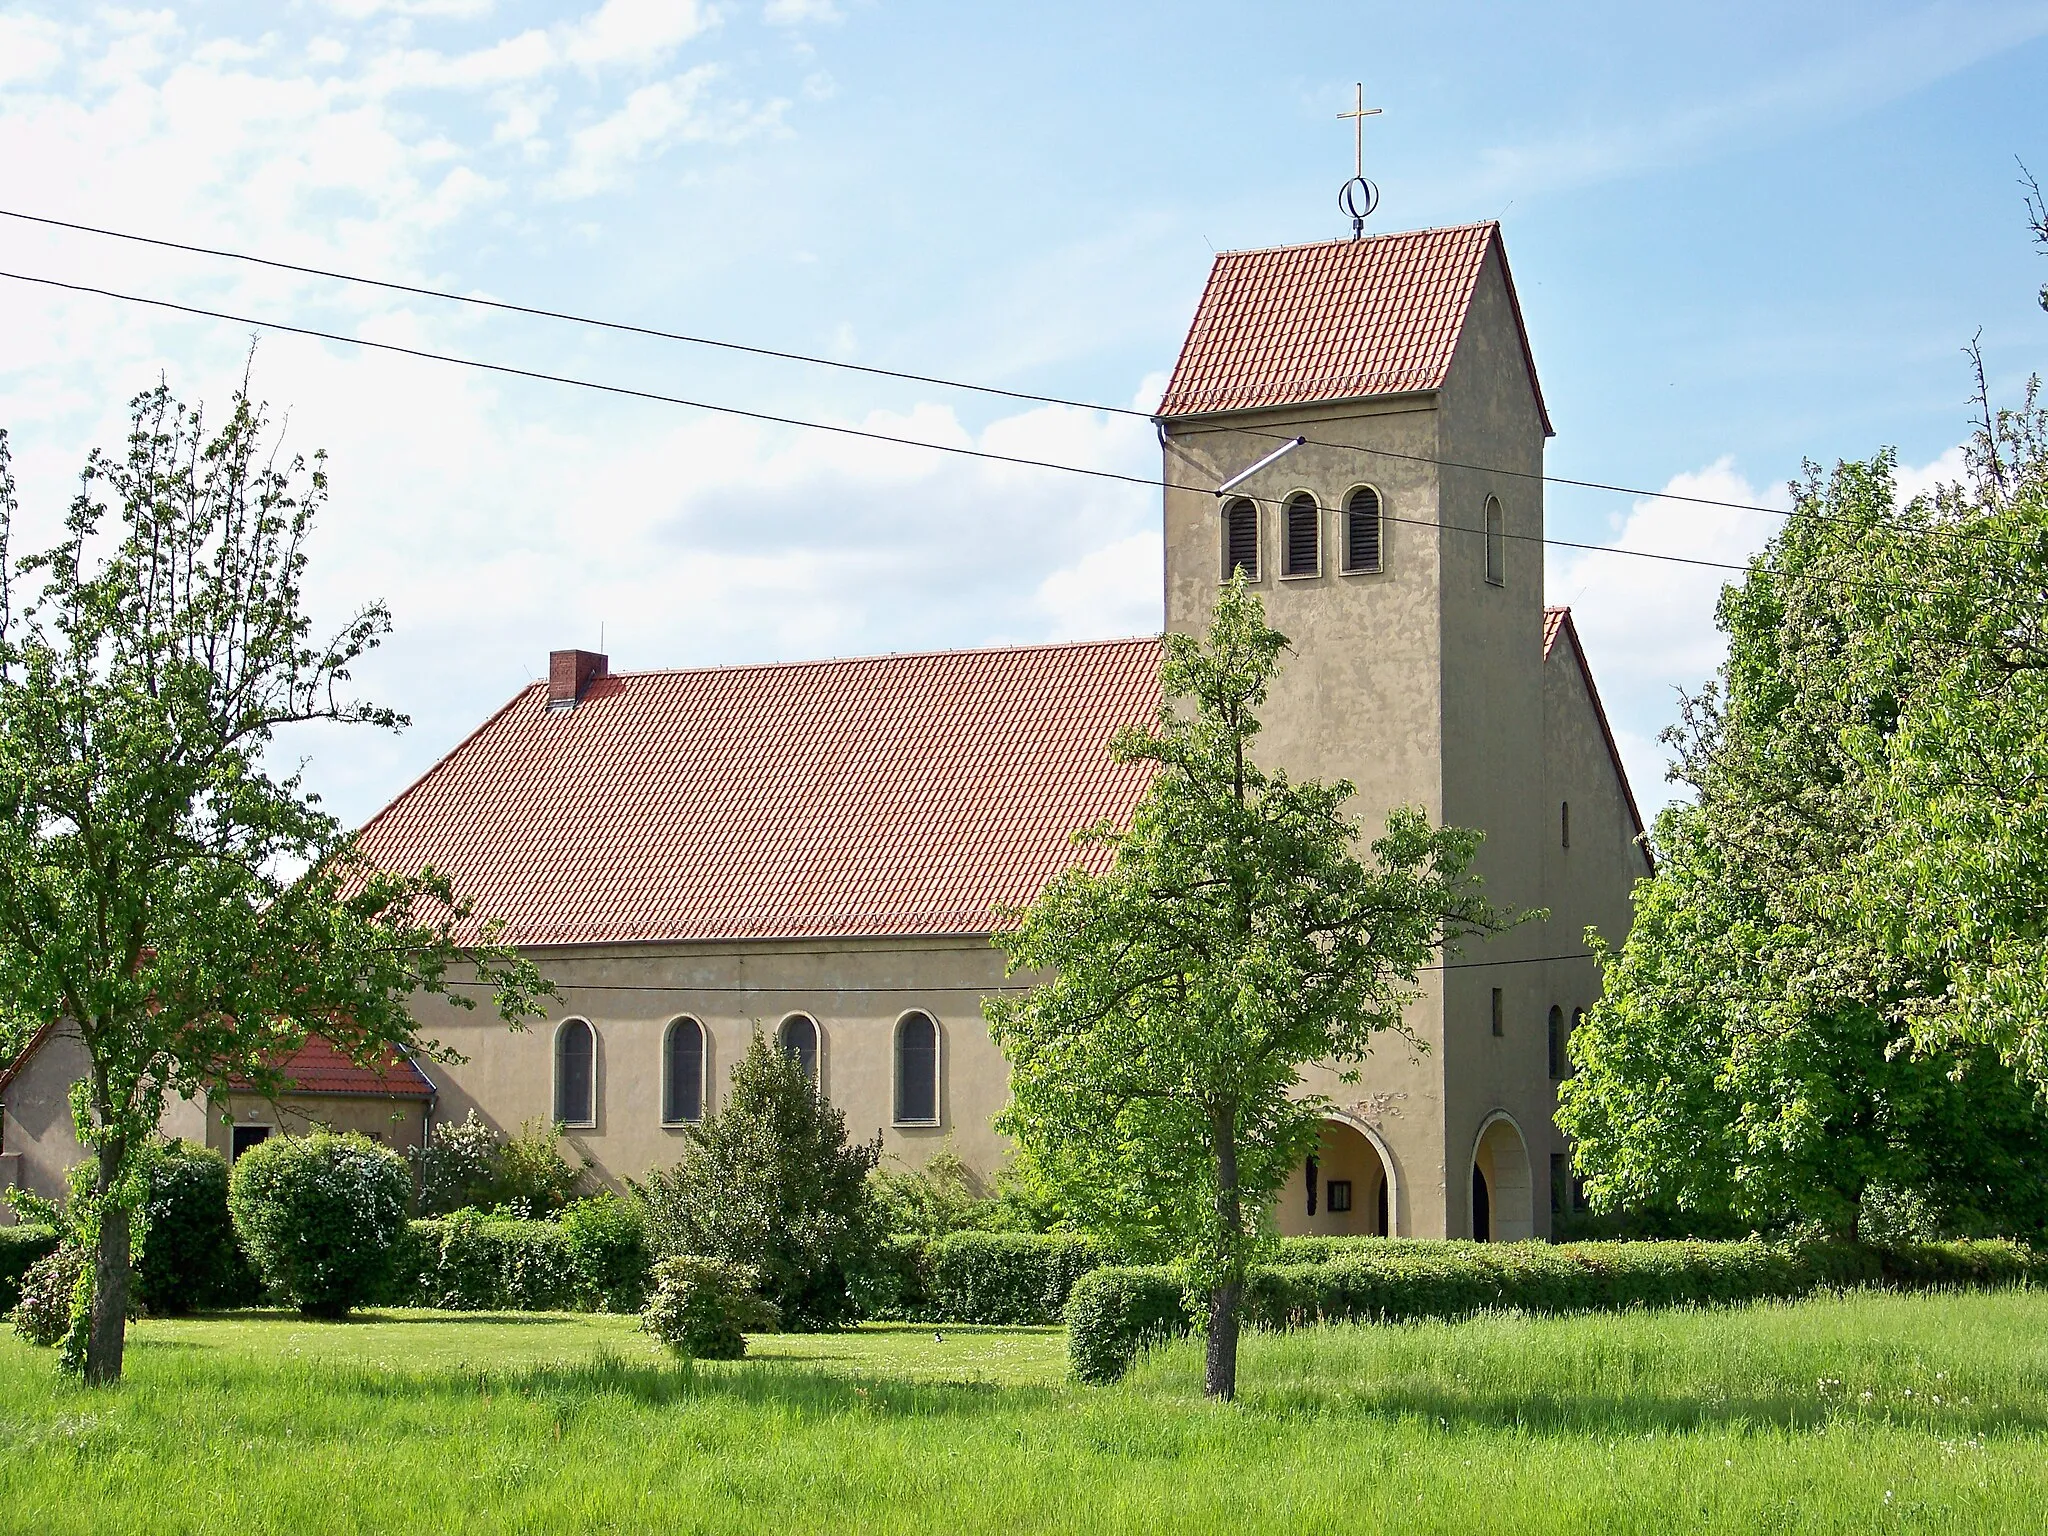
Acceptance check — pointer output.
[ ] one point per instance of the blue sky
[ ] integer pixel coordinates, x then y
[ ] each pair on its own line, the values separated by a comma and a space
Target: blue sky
1744, 235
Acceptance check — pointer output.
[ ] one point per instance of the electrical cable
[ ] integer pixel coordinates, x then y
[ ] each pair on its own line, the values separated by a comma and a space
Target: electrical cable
866, 434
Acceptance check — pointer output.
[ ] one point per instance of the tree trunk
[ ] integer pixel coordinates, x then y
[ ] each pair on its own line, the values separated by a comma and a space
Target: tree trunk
107, 1337
1220, 1379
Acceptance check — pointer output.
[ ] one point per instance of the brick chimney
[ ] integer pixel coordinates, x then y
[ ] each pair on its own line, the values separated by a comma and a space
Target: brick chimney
570, 674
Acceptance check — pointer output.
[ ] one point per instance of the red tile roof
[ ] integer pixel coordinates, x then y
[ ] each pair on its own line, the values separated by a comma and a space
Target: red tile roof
891, 795
1557, 623
317, 1069
1340, 320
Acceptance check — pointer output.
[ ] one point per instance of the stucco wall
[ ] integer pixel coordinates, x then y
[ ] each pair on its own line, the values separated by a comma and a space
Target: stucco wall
37, 1104
856, 990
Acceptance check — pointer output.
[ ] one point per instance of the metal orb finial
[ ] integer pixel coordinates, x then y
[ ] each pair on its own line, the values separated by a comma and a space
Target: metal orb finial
1358, 199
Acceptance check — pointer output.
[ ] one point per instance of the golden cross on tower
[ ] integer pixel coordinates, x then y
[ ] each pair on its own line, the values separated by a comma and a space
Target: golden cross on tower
1359, 113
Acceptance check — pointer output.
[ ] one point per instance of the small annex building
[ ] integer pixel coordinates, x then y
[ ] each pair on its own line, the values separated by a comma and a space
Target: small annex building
821, 850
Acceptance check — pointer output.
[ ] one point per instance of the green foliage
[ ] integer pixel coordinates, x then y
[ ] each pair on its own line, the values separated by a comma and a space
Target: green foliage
608, 1257
1003, 1277
1114, 1315
1775, 1046
703, 1309
20, 1247
769, 1181
476, 1261
1386, 1280
188, 1257
1235, 938
530, 1175
945, 1195
43, 1300
319, 1217
467, 1165
193, 913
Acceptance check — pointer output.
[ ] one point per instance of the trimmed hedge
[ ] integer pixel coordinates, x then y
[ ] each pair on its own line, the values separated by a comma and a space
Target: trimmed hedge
1115, 1314
1005, 1278
474, 1262
21, 1247
1381, 1280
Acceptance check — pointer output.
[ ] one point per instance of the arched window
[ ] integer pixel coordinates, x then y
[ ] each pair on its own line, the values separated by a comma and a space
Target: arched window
1564, 1061
799, 1037
1496, 543
1241, 540
682, 1073
1304, 520
917, 1070
1556, 1042
576, 1074
1362, 530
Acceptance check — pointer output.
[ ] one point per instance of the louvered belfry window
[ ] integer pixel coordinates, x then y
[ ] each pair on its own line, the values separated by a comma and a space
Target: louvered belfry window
1241, 540
1303, 516
1362, 530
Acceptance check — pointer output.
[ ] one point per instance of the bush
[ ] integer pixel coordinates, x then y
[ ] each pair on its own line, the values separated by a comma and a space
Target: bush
1377, 1280
188, 1256
467, 1165
319, 1217
20, 1249
1013, 1278
771, 1182
42, 1312
1114, 1314
703, 1309
608, 1261
478, 1261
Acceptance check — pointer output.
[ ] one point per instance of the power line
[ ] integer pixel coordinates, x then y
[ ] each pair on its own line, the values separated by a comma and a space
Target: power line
503, 306
865, 434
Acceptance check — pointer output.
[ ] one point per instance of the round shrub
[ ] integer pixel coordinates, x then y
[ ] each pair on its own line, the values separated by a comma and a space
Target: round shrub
703, 1309
319, 1217
188, 1254
43, 1314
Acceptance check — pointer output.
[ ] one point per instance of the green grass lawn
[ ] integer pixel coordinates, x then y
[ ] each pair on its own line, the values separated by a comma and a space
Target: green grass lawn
1862, 1413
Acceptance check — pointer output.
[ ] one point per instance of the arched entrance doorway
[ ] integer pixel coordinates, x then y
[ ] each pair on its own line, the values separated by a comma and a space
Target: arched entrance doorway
1503, 1205
1342, 1191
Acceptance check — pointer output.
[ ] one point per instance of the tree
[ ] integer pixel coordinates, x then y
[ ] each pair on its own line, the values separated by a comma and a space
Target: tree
1752, 1053
191, 911
1235, 937
769, 1182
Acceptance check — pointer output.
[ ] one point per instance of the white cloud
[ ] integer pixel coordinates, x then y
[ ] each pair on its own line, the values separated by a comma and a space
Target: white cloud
652, 119
1112, 590
640, 32
794, 13
30, 48
1945, 470
363, 10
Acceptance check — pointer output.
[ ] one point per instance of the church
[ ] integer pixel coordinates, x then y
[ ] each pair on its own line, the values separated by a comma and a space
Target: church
819, 850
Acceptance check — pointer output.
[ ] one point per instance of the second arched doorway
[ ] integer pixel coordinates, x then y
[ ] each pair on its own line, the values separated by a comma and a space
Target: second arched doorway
1342, 1191
1503, 1208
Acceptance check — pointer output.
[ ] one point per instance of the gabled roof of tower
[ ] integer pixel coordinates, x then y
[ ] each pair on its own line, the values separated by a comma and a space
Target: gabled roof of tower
1339, 320
893, 795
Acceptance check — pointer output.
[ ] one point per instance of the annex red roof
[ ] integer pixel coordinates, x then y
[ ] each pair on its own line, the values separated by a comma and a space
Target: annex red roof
318, 1069
1557, 624
1339, 320
891, 795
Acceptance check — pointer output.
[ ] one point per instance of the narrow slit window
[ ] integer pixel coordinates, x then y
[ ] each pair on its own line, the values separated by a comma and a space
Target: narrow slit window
1564, 818
682, 1099
1556, 1042
1241, 540
1362, 531
1496, 543
1499, 1021
799, 1039
917, 1070
576, 1074
1304, 518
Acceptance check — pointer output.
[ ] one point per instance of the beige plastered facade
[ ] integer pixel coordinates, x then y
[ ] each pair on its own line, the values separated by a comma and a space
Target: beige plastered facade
1423, 684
